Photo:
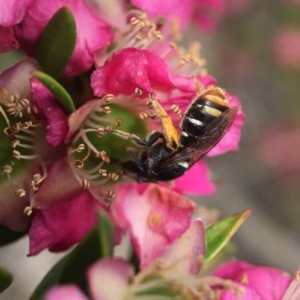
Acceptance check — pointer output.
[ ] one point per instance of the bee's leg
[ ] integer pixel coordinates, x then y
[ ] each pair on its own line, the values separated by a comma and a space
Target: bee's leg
150, 139
168, 130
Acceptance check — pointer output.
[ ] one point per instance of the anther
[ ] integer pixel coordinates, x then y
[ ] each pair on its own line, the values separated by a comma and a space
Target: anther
138, 91
80, 148
27, 211
85, 184
106, 109
149, 103
103, 172
16, 154
175, 108
37, 178
101, 131
34, 185
118, 122
110, 194
78, 164
143, 115
15, 143
8, 131
108, 98
7, 169
20, 192
108, 128
114, 176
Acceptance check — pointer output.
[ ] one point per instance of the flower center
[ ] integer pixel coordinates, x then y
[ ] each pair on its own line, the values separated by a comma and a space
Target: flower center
18, 148
95, 153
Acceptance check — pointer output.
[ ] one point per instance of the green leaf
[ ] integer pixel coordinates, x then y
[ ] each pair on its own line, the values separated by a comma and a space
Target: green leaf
57, 42
72, 268
6, 279
8, 236
57, 90
106, 235
218, 234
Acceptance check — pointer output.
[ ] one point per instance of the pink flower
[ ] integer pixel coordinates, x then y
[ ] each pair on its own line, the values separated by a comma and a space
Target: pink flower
12, 13
92, 33
267, 283
131, 68
240, 292
286, 48
151, 215
278, 149
169, 273
182, 257
112, 273
63, 224
65, 292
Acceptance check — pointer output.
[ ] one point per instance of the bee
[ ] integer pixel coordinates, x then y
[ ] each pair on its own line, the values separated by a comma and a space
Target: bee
168, 154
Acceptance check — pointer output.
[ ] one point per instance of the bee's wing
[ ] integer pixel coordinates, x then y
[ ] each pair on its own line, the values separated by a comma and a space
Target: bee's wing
209, 138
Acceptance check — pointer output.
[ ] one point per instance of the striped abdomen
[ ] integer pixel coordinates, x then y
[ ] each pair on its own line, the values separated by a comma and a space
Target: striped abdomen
200, 113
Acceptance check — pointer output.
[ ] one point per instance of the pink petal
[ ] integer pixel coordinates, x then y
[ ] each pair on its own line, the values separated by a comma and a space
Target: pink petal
131, 68
7, 39
152, 218
45, 105
183, 255
59, 185
13, 11
92, 33
65, 292
240, 292
113, 13
293, 291
79, 115
231, 140
16, 80
195, 181
62, 224
109, 279
269, 283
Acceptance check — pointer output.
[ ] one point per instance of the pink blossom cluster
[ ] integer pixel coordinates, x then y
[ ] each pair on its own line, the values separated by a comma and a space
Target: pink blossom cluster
150, 65
249, 283
61, 166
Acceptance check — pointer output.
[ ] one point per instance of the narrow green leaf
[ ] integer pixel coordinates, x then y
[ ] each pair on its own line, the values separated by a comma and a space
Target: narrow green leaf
218, 234
57, 90
106, 235
6, 279
57, 42
8, 236
73, 267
